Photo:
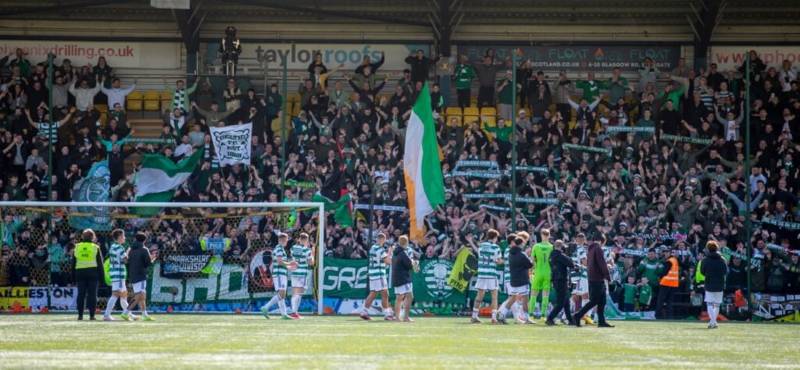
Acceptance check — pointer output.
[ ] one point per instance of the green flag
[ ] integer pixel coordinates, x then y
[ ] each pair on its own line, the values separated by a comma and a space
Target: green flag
341, 208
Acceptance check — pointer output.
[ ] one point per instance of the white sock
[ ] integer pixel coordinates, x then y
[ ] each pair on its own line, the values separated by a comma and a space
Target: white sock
110, 305
295, 303
503, 312
474, 313
388, 312
271, 302
144, 313
494, 314
710, 310
282, 306
716, 313
124, 303
515, 309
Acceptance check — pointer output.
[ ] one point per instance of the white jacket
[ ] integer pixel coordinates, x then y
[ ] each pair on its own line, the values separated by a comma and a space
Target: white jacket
117, 95
83, 97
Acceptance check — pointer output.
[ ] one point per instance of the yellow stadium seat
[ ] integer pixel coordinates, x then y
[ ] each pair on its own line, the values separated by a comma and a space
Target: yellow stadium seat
134, 102
295, 109
471, 111
454, 121
151, 95
470, 119
166, 95
489, 121
102, 108
453, 111
165, 103
152, 105
294, 97
152, 101
488, 111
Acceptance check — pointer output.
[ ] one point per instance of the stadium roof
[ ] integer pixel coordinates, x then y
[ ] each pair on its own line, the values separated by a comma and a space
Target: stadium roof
420, 12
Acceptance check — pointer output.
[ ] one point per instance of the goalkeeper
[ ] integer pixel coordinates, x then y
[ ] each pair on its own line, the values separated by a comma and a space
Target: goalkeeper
541, 275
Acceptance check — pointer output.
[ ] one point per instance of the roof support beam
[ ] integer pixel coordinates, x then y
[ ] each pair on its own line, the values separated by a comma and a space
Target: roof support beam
707, 16
327, 12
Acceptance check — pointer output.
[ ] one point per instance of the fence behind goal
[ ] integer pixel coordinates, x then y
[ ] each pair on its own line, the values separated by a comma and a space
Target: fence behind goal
209, 256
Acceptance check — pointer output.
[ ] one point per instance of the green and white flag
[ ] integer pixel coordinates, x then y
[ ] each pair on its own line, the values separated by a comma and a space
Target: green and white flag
160, 176
422, 167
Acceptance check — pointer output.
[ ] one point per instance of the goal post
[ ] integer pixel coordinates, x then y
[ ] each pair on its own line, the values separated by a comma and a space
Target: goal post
179, 226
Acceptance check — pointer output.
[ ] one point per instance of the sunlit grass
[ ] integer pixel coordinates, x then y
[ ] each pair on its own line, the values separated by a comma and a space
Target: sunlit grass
248, 341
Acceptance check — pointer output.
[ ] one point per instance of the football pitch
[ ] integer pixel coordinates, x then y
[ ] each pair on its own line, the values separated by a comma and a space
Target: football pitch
250, 341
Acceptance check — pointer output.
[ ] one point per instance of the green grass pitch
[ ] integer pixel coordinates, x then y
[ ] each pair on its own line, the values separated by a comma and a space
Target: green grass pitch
250, 341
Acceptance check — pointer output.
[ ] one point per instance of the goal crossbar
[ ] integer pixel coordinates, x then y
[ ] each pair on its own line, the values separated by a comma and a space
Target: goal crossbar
318, 205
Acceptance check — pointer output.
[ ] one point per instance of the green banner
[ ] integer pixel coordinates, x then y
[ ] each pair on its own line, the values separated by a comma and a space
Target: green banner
344, 278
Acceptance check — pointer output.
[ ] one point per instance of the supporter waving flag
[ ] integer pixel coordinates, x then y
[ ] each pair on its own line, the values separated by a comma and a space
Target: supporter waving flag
160, 176
422, 168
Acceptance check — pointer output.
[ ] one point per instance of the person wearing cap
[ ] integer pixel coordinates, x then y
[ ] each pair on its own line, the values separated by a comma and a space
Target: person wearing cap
668, 283
714, 270
598, 276
88, 270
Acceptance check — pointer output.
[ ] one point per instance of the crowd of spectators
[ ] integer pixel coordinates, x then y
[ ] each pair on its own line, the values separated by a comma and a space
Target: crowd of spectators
675, 181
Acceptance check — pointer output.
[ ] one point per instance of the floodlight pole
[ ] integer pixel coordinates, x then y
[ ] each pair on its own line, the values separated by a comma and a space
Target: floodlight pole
747, 169
50, 71
321, 261
283, 125
513, 142
371, 209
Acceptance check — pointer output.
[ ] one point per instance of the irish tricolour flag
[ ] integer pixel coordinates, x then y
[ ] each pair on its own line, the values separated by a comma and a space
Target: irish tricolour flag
159, 176
422, 168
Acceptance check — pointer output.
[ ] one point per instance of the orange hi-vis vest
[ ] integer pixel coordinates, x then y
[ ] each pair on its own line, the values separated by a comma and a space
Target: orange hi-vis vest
672, 278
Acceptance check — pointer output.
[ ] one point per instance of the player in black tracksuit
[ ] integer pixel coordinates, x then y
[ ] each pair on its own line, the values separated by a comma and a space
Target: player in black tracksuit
560, 265
519, 267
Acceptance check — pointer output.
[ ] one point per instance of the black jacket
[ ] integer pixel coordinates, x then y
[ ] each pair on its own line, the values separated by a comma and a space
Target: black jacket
596, 264
715, 270
519, 265
138, 262
401, 268
420, 67
560, 265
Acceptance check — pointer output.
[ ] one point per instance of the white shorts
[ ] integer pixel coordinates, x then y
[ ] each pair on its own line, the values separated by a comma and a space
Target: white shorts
140, 287
279, 282
581, 287
118, 286
487, 284
298, 282
714, 297
377, 285
520, 290
403, 289
508, 287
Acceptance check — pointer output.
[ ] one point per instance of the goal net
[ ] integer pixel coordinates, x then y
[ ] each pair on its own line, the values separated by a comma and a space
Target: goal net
209, 257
